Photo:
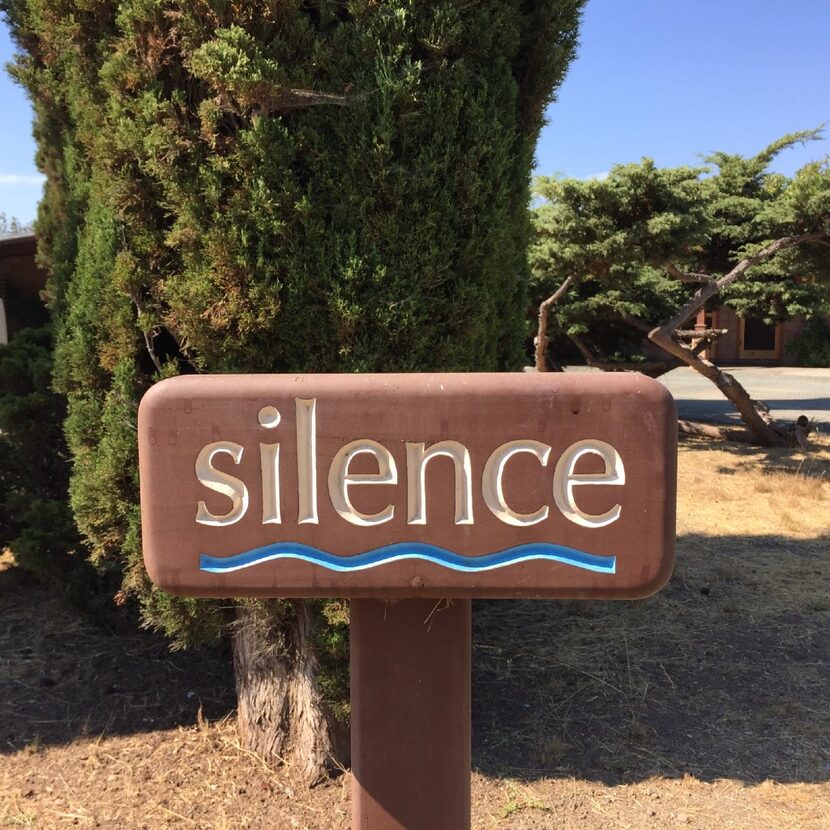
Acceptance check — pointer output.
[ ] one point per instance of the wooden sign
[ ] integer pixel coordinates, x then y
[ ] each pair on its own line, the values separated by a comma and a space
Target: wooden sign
442, 485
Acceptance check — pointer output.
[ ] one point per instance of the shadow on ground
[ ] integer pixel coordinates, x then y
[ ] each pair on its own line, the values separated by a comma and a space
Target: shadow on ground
813, 464
722, 411
724, 674
62, 678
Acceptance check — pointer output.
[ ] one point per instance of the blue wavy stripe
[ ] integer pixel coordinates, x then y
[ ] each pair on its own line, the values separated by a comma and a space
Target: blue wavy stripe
409, 550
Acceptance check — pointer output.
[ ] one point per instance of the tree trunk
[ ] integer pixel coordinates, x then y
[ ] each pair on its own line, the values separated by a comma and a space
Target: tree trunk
754, 415
281, 714
542, 330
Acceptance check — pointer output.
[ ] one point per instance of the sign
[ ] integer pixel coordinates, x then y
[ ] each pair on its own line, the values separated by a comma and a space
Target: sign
417, 485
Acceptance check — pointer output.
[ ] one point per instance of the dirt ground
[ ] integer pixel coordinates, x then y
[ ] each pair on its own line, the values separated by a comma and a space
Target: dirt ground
705, 706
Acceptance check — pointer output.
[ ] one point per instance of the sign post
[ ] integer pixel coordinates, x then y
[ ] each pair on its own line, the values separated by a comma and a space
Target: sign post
409, 494
410, 682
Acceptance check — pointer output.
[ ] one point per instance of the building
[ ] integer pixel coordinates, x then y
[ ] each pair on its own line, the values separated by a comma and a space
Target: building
748, 341
21, 282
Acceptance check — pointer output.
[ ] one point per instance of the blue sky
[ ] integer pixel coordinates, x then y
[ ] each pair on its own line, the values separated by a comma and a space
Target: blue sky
659, 78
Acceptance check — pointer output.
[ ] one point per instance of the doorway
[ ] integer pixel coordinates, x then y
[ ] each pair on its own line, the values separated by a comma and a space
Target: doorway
758, 340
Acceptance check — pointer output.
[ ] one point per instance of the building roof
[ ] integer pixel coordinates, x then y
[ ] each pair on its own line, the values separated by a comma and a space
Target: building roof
17, 263
16, 236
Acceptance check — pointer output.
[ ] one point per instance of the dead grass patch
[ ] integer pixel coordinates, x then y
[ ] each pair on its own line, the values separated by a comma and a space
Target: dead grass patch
751, 491
187, 777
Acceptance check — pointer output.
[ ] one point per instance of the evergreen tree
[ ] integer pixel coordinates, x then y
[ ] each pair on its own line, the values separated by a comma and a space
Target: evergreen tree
618, 257
10, 225
276, 187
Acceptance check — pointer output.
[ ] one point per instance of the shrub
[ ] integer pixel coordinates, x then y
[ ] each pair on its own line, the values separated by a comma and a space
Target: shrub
811, 346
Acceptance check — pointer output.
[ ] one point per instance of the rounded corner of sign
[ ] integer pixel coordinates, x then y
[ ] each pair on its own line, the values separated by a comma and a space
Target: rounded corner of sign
666, 400
157, 395
158, 576
660, 578
652, 388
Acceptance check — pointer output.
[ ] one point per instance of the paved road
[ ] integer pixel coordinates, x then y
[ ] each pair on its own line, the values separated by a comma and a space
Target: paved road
788, 392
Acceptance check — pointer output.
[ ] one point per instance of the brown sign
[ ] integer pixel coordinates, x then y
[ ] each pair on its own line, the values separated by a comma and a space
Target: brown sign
444, 485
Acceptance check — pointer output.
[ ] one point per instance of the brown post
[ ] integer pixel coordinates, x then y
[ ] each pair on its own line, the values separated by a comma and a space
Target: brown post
410, 693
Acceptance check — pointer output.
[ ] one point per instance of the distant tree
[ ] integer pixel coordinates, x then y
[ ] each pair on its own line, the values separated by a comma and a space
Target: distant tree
623, 264
291, 187
10, 225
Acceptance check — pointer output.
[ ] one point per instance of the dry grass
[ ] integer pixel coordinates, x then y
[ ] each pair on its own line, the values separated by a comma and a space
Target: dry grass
187, 777
685, 802
752, 491
702, 707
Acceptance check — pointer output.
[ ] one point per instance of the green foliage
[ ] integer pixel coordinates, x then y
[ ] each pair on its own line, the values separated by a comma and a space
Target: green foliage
35, 521
811, 347
331, 641
617, 236
259, 187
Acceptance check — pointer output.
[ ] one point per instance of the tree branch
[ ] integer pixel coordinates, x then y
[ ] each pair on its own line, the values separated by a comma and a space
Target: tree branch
700, 334
148, 338
759, 422
590, 360
542, 332
749, 410
719, 433
711, 289
652, 368
684, 276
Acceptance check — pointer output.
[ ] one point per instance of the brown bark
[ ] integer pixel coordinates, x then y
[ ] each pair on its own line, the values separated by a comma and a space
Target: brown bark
542, 333
794, 435
281, 714
683, 276
718, 433
749, 410
700, 334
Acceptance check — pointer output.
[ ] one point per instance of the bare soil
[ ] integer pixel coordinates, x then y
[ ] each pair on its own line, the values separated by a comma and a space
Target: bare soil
705, 706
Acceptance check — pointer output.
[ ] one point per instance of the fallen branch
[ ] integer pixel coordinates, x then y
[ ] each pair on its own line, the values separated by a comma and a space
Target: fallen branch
712, 431
791, 434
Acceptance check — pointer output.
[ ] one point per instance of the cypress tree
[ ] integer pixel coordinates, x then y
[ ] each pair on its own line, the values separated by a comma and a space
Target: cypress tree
282, 186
